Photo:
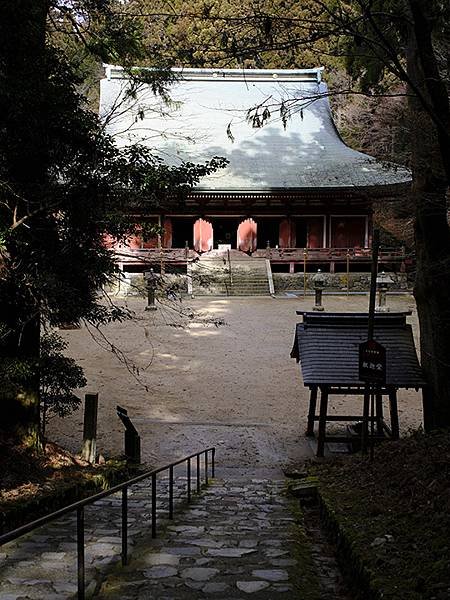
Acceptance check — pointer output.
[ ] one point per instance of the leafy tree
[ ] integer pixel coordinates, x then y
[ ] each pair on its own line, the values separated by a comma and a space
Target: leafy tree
230, 33
63, 185
59, 376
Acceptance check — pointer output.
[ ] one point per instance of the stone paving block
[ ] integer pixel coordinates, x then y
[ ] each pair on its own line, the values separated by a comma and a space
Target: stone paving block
199, 573
161, 558
229, 552
160, 571
250, 587
271, 574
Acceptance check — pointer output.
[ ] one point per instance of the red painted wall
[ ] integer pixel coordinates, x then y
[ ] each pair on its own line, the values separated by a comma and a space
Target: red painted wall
167, 235
287, 234
151, 242
315, 232
348, 232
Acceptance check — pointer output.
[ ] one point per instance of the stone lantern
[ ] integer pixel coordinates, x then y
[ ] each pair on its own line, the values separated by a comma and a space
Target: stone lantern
151, 281
319, 283
384, 282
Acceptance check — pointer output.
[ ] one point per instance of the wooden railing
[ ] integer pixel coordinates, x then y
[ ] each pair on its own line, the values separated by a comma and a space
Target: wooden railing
277, 255
329, 254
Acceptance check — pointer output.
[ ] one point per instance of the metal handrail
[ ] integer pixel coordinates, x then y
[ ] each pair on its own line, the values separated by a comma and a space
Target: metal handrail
123, 487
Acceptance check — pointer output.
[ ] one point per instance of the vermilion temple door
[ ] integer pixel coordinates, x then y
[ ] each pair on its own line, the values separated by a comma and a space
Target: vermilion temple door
203, 235
246, 236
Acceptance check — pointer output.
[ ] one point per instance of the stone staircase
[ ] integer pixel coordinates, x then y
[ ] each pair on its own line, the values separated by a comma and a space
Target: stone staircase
211, 275
237, 538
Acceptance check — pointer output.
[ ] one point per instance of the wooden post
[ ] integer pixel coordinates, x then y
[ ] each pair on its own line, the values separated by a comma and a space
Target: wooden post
89, 448
373, 283
394, 413
312, 411
379, 411
365, 421
322, 420
305, 256
369, 388
132, 439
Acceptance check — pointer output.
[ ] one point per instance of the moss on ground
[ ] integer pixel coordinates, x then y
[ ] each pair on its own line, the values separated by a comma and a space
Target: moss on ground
33, 485
306, 580
394, 515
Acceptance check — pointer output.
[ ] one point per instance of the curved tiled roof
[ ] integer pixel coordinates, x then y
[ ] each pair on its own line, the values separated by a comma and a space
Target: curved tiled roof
327, 346
208, 105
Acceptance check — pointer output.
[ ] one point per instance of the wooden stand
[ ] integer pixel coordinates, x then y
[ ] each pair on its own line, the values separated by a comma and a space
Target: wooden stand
323, 417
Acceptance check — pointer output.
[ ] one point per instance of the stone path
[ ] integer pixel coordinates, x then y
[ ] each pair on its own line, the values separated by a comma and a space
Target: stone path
236, 540
43, 564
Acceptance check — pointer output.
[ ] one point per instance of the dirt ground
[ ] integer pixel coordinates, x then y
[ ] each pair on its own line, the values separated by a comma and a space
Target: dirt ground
193, 386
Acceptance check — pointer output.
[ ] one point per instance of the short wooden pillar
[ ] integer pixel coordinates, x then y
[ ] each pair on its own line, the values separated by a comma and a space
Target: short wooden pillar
322, 420
312, 411
89, 448
394, 413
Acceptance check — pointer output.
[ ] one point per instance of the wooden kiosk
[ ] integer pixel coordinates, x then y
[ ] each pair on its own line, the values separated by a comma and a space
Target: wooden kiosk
326, 345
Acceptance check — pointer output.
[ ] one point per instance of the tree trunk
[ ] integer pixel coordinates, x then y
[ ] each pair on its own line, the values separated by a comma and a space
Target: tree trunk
432, 286
24, 154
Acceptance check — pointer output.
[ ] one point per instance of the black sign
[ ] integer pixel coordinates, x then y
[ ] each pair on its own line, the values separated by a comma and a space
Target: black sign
372, 362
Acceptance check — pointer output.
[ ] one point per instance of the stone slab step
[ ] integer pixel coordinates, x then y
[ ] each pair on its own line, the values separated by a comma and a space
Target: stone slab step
237, 540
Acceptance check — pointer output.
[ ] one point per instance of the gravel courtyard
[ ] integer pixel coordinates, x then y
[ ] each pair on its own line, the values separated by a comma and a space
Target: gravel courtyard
192, 384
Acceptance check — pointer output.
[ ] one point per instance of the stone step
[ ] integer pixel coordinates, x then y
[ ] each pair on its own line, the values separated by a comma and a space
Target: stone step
211, 277
237, 540
43, 563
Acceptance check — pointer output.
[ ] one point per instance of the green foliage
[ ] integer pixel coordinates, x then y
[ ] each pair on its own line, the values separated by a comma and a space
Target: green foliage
227, 33
59, 376
64, 186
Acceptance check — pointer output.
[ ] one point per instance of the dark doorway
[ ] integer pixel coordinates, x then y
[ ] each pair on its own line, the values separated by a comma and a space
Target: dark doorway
268, 230
182, 232
301, 233
225, 231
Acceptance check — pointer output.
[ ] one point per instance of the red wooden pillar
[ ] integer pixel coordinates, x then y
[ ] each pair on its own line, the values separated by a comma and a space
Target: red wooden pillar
247, 236
369, 230
203, 235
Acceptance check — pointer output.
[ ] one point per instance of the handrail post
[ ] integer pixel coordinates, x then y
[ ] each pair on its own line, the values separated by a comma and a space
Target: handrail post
213, 463
125, 526
171, 492
80, 551
198, 473
189, 480
229, 267
154, 505
206, 467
